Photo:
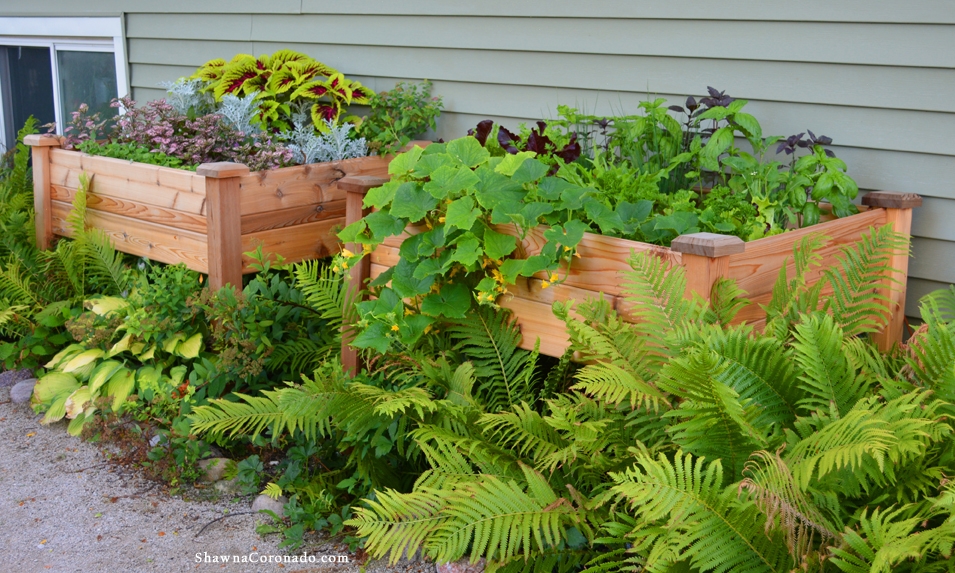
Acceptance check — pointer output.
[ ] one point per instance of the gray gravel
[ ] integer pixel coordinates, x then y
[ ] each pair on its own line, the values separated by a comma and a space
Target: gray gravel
65, 508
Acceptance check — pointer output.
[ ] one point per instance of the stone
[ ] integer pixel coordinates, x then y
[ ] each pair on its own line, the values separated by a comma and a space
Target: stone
228, 486
22, 391
265, 502
10, 377
213, 469
460, 566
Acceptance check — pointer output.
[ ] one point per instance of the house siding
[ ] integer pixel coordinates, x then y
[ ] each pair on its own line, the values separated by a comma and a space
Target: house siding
876, 76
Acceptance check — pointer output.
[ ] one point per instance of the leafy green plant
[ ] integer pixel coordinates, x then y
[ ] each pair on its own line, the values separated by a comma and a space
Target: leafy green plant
399, 116
689, 444
131, 152
281, 82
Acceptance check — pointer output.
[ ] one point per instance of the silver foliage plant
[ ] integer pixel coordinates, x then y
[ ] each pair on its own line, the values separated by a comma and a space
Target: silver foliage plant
184, 93
239, 112
333, 145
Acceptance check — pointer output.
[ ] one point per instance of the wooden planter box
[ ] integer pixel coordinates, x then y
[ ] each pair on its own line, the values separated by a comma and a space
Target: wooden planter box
205, 219
706, 257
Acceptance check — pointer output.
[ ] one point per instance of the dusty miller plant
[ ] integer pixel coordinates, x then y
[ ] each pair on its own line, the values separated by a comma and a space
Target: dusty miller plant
333, 145
183, 95
240, 112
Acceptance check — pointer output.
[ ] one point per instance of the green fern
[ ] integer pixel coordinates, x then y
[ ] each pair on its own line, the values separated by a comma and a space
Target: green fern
687, 514
856, 305
490, 340
827, 375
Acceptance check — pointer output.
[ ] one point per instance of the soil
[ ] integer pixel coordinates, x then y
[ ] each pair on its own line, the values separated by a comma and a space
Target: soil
66, 507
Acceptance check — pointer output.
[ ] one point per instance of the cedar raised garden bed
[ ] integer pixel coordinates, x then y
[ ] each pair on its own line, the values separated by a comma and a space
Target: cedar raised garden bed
205, 219
706, 257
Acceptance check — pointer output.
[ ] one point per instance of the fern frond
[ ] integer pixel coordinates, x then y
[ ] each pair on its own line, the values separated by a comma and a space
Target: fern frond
714, 421
794, 297
522, 430
696, 518
104, 264
251, 416
726, 300
856, 303
825, 374
490, 339
772, 487
930, 352
657, 295
498, 520
397, 524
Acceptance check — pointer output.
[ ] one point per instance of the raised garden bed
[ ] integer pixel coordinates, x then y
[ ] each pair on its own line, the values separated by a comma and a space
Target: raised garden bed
205, 219
755, 265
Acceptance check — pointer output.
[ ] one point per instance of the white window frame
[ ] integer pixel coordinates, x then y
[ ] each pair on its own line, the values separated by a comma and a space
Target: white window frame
99, 34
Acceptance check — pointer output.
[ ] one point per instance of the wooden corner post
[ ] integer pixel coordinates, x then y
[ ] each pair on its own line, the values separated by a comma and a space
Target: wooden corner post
898, 211
224, 222
706, 258
42, 193
355, 188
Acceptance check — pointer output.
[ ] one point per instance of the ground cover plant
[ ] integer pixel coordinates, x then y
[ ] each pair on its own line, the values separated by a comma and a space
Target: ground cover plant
679, 442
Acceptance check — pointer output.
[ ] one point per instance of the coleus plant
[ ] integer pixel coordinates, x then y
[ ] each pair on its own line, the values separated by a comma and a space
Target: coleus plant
284, 80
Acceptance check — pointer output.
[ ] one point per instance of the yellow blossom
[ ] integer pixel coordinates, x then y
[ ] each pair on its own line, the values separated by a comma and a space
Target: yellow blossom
566, 249
344, 266
335, 269
366, 249
441, 219
408, 312
553, 277
347, 253
394, 327
544, 284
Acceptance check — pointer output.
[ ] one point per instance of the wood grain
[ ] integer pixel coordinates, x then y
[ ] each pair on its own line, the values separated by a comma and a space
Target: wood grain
141, 238
224, 228
308, 241
43, 221
161, 215
293, 216
178, 179
288, 187
132, 190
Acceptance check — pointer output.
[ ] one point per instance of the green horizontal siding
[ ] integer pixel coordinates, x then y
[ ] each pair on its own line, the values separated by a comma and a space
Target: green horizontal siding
874, 75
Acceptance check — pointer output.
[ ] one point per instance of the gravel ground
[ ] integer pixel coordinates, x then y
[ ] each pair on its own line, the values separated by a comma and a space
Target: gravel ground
65, 508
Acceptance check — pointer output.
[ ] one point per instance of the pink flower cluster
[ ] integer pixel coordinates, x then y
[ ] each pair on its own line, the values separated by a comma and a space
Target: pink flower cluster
158, 127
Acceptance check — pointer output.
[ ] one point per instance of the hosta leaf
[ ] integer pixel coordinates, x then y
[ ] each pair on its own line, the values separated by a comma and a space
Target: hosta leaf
106, 304
120, 386
53, 386
103, 372
82, 359
190, 347
77, 401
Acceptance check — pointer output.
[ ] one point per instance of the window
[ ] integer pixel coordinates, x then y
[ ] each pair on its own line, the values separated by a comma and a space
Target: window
49, 66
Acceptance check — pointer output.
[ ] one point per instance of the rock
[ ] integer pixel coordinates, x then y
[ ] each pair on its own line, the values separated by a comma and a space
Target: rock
265, 502
228, 486
10, 377
213, 468
460, 566
22, 391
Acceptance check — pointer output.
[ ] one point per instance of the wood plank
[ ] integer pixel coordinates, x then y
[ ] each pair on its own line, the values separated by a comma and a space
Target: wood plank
224, 223
42, 192
756, 270
160, 215
66, 158
141, 238
179, 179
894, 290
314, 240
301, 185
292, 216
135, 191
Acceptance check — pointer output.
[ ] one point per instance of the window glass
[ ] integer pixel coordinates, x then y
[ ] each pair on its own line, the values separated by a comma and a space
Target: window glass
30, 87
86, 77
